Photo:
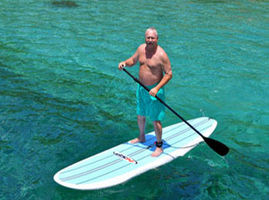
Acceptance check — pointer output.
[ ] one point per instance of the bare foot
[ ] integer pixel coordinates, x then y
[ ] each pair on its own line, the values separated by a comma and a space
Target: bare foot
136, 140
158, 151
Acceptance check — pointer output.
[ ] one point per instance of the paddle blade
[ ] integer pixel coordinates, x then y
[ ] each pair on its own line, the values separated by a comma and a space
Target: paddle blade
217, 146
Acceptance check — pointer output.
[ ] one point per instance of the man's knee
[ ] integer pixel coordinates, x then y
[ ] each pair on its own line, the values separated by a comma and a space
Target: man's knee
157, 122
140, 117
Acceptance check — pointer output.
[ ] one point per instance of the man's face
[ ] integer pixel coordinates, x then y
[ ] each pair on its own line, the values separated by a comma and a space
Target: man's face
151, 38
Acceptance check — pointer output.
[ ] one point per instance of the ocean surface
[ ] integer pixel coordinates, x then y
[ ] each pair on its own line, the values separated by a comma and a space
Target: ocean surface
62, 98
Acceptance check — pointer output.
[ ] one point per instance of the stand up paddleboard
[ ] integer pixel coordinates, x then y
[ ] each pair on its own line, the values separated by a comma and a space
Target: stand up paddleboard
125, 161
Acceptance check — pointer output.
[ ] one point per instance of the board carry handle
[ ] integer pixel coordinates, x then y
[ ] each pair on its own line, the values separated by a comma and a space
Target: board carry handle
215, 145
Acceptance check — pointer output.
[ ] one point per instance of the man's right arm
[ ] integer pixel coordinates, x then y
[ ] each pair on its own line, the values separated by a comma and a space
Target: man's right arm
129, 62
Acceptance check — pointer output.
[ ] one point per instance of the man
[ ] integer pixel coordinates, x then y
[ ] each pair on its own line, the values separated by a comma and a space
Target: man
155, 71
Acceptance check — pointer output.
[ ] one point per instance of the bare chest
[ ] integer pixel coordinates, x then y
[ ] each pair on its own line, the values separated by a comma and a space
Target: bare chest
150, 61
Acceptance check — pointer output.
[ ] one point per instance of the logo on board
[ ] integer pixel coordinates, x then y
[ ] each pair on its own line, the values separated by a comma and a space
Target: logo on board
124, 157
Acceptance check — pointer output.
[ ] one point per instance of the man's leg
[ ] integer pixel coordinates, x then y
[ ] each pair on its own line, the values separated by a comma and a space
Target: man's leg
158, 132
141, 121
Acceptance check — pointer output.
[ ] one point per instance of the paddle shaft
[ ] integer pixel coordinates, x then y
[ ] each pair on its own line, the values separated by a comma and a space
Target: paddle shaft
136, 80
217, 146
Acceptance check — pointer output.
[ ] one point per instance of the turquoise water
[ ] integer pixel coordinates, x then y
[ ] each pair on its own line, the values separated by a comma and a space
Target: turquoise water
62, 98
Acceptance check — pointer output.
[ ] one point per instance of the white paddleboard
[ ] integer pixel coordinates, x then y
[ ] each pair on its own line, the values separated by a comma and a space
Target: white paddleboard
125, 161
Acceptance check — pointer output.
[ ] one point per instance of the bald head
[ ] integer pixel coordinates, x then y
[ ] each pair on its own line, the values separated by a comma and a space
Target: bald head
152, 30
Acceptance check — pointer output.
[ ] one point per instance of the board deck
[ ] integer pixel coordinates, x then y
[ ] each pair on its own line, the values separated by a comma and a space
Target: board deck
125, 161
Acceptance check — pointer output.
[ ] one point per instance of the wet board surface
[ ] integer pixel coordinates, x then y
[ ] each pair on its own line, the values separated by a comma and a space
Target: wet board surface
125, 161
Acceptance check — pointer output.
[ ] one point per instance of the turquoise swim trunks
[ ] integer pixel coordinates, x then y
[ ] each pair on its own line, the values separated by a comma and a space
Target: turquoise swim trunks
148, 105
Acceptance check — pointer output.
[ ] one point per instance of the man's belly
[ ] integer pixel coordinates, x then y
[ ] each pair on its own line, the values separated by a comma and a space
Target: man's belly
149, 77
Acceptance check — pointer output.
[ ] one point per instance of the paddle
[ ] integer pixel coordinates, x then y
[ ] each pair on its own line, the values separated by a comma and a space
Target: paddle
217, 146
